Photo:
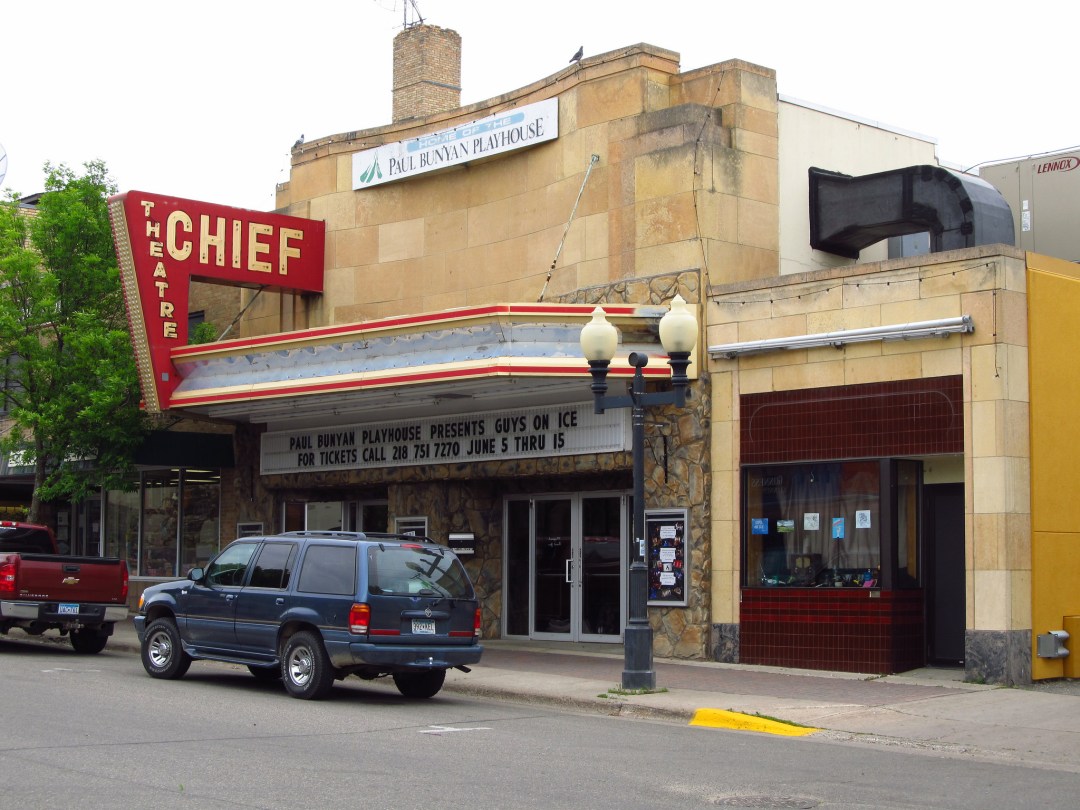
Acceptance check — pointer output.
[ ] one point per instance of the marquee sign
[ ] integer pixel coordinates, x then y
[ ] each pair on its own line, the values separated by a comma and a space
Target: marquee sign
503, 132
163, 242
526, 433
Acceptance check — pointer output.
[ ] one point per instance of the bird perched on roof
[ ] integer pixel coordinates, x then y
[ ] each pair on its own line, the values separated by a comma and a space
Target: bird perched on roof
299, 141
577, 56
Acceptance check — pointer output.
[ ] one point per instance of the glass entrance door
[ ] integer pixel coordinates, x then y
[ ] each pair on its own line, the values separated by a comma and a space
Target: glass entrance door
565, 567
553, 568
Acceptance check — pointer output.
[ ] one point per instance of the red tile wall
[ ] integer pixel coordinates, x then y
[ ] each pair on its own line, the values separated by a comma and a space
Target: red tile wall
900, 418
839, 629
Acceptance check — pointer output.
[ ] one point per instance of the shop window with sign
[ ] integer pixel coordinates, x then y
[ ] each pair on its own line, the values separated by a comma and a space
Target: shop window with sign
829, 524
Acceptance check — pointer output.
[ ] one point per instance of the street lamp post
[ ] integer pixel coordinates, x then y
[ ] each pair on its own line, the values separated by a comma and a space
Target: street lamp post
599, 340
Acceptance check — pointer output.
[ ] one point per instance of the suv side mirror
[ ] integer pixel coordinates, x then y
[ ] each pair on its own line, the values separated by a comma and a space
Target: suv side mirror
195, 574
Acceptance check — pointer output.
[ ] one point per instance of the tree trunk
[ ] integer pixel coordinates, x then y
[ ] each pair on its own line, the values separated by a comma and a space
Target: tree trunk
39, 480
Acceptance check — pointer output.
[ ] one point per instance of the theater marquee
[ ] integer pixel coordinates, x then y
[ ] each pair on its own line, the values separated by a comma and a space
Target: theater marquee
526, 433
164, 242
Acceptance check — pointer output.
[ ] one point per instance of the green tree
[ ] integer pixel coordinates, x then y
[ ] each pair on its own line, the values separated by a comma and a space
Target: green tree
71, 386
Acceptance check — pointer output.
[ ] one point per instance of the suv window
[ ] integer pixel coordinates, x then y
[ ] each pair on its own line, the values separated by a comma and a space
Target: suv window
416, 569
329, 569
273, 566
230, 565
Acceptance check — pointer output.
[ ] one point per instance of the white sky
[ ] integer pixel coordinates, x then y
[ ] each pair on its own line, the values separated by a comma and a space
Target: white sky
203, 99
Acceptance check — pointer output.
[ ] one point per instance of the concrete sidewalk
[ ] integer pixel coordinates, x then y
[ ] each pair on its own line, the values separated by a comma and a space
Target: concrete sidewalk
930, 709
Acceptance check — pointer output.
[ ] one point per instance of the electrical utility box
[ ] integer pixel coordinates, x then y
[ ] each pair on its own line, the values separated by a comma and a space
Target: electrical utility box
1044, 195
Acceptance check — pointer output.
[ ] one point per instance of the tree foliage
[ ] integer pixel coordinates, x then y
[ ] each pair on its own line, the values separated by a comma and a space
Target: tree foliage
72, 391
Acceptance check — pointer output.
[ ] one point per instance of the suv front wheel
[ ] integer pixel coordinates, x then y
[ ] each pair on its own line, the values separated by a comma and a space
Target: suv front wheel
163, 654
305, 667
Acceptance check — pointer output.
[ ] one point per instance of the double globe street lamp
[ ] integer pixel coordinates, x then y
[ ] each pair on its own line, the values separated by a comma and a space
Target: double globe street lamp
599, 340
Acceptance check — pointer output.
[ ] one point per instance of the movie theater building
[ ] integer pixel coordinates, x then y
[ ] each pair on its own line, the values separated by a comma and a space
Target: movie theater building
408, 360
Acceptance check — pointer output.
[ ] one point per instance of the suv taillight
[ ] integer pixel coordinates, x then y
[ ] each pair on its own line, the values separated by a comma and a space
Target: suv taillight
476, 624
9, 570
359, 618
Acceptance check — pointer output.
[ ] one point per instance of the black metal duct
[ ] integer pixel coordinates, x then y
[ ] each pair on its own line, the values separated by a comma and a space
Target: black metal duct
849, 213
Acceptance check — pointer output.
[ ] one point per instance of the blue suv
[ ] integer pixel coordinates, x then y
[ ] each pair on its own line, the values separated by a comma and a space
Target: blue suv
314, 607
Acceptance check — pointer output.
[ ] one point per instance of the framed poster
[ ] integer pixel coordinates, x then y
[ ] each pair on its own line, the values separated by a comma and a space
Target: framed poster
668, 557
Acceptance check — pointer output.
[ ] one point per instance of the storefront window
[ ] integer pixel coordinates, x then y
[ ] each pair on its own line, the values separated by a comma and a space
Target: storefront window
160, 505
813, 525
122, 527
178, 512
199, 538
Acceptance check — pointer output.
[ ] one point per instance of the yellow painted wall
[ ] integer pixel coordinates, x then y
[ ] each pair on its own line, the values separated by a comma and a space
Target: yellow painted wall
1054, 327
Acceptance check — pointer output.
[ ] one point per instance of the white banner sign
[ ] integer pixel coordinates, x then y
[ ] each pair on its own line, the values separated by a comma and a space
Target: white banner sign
527, 433
502, 132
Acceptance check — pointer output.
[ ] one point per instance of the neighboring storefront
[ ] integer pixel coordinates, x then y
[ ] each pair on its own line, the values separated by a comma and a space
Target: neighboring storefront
821, 507
900, 464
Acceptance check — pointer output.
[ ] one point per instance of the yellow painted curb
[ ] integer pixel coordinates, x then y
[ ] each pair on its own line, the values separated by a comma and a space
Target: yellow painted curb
718, 718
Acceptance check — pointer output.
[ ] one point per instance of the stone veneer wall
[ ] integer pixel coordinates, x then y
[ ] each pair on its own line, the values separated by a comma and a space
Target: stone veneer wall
676, 467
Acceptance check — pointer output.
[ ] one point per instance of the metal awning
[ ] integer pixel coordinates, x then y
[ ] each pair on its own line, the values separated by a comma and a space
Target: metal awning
456, 361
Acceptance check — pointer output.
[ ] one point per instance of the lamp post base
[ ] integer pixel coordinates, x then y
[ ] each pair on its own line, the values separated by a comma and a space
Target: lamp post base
637, 666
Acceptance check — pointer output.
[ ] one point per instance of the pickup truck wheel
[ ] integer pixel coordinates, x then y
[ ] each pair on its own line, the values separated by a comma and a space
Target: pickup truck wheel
163, 655
305, 667
420, 684
88, 641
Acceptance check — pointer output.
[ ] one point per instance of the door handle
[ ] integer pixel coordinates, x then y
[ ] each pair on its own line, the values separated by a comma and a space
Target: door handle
229, 597
279, 601
569, 574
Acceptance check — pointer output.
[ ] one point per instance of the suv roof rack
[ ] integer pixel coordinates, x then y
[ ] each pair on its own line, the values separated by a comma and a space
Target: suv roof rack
414, 538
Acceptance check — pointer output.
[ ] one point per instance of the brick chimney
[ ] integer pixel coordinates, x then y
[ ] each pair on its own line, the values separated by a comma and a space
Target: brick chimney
427, 71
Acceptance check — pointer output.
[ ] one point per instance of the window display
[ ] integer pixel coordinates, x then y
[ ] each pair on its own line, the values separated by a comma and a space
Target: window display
814, 525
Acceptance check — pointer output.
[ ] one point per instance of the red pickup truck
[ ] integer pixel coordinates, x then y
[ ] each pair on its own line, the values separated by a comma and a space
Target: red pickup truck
40, 589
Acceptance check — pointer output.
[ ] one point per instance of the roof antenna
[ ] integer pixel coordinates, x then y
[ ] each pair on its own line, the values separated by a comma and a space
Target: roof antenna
405, 14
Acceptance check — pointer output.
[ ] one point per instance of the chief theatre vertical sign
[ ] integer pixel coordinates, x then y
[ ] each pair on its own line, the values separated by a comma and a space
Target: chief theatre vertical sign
164, 242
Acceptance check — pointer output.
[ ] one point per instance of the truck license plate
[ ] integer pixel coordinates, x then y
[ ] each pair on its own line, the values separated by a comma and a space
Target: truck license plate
66, 608
423, 627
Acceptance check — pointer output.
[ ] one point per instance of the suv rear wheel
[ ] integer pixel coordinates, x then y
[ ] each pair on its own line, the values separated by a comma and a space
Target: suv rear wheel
305, 667
420, 684
163, 655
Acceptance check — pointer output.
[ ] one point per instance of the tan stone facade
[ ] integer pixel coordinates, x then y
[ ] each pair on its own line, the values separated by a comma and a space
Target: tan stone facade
686, 178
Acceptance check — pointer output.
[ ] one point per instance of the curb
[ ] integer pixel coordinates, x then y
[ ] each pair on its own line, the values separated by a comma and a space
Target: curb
612, 707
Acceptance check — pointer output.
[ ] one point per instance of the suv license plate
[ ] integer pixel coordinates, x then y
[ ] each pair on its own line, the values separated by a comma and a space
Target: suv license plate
66, 608
423, 627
